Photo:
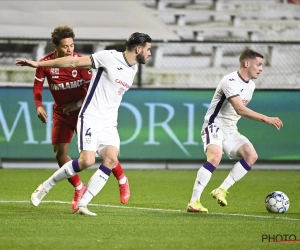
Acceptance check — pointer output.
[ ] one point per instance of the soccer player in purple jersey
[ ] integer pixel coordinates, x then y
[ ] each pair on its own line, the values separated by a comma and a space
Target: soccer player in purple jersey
113, 75
220, 133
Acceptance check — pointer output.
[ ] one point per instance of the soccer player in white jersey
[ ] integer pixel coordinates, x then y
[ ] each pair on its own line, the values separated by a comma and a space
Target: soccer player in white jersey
220, 133
97, 121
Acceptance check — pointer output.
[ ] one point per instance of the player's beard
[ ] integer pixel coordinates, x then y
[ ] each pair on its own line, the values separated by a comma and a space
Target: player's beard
140, 58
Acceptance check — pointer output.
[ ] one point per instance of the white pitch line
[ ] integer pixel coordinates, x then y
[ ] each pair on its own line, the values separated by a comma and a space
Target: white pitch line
166, 210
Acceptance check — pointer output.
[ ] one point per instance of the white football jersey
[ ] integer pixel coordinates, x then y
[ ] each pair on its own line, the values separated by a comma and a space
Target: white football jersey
112, 77
220, 110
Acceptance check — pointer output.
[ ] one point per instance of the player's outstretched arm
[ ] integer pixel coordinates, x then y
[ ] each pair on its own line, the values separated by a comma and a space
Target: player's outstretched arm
24, 62
241, 110
63, 62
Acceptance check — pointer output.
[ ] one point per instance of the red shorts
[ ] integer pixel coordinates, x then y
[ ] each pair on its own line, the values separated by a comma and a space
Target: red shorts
63, 127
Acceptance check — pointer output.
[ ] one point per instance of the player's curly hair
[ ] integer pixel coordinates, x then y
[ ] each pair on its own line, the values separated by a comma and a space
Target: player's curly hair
61, 32
249, 54
137, 39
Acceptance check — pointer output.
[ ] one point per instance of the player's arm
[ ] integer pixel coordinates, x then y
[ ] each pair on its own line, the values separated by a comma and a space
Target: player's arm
62, 62
241, 110
68, 107
71, 106
38, 96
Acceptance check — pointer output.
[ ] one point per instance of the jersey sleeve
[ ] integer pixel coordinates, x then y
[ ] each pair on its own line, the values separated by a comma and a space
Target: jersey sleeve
38, 87
229, 88
86, 75
100, 58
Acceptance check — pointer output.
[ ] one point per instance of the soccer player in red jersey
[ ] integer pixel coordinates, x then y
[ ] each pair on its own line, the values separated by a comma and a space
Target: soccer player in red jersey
68, 87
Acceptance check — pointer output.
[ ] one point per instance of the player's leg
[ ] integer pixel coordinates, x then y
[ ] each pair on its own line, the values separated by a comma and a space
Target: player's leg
214, 154
212, 138
62, 157
123, 183
248, 157
236, 146
62, 133
68, 170
109, 143
99, 179
110, 136
87, 141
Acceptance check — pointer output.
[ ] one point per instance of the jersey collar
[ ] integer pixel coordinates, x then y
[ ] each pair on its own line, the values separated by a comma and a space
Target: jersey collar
242, 78
126, 60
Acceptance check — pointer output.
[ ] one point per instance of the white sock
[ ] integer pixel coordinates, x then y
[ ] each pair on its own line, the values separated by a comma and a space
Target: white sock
79, 186
203, 176
123, 180
65, 172
239, 170
96, 183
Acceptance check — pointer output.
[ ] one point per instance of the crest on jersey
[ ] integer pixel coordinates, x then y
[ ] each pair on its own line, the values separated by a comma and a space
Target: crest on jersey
74, 73
54, 71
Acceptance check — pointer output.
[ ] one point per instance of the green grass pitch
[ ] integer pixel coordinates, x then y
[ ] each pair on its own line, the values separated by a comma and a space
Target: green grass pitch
154, 218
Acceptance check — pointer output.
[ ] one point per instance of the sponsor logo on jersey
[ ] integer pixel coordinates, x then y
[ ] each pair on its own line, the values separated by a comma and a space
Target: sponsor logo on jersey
67, 85
245, 102
54, 71
124, 84
74, 73
119, 68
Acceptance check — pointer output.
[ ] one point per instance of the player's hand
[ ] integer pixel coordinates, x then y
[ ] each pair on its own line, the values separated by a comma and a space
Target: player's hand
69, 107
24, 62
274, 121
41, 113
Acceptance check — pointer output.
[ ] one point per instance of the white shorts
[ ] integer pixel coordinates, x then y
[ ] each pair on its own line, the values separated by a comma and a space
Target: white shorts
94, 136
229, 140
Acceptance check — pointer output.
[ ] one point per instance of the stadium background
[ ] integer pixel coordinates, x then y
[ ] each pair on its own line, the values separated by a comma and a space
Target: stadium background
195, 43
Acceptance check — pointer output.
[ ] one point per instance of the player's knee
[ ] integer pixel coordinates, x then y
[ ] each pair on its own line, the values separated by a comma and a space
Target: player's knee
110, 162
86, 162
251, 158
254, 157
214, 162
59, 156
214, 158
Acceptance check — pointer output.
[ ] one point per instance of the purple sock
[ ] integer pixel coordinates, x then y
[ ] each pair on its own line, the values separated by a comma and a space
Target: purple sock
210, 167
75, 166
245, 164
105, 170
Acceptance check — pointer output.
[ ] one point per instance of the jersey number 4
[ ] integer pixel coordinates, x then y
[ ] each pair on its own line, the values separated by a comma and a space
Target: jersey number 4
88, 132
